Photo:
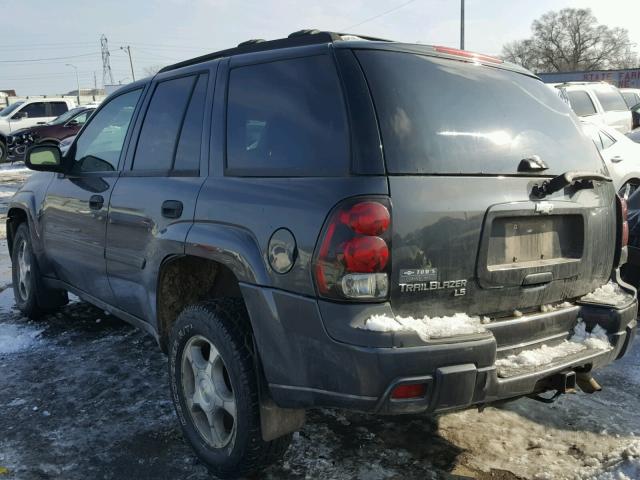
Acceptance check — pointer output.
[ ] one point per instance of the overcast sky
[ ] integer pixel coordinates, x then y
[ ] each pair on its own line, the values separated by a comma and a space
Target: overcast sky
162, 32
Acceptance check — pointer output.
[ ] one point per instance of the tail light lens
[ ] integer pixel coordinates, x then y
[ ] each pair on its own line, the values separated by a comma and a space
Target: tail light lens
352, 260
624, 224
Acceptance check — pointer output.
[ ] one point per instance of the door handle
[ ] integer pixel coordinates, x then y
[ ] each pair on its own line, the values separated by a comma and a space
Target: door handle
96, 202
616, 159
172, 209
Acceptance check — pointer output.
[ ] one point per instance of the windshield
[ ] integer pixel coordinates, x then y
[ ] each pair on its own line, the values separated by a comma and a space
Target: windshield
66, 116
441, 116
5, 112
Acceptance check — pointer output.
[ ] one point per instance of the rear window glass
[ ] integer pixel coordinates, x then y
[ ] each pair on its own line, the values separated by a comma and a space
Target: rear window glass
631, 99
611, 100
287, 118
452, 117
581, 103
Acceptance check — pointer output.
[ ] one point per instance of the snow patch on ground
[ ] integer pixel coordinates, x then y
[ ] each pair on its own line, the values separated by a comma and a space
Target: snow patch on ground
8, 168
544, 355
17, 338
609, 293
427, 327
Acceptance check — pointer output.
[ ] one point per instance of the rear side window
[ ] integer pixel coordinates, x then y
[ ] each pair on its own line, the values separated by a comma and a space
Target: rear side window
287, 118
581, 103
58, 108
161, 126
453, 117
611, 100
188, 150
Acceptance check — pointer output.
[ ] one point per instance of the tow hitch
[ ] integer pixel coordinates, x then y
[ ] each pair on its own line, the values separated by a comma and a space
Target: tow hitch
562, 382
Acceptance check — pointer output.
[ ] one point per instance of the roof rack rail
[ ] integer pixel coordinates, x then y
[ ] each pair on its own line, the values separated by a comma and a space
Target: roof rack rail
296, 39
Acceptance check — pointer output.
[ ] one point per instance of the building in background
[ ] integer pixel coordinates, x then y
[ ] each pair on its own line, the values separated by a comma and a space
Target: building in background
628, 78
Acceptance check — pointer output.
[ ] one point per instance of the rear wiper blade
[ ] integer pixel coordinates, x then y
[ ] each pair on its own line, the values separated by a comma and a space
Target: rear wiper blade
582, 179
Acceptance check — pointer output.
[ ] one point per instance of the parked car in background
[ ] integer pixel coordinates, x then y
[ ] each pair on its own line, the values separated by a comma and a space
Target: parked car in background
292, 247
29, 113
620, 154
66, 125
635, 135
631, 270
66, 144
598, 102
635, 117
631, 96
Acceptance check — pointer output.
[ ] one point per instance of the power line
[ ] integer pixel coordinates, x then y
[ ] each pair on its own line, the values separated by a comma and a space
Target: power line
47, 59
378, 15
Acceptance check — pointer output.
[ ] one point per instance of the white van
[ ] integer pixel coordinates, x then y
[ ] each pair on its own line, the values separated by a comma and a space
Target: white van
598, 102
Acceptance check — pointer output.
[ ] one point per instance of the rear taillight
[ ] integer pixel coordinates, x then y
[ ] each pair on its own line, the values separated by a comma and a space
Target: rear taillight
624, 224
352, 261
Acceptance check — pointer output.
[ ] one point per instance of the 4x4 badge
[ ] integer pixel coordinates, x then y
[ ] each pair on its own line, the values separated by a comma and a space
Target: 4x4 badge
544, 208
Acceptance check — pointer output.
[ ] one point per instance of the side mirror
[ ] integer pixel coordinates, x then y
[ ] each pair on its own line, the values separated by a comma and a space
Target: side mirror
44, 158
20, 116
72, 123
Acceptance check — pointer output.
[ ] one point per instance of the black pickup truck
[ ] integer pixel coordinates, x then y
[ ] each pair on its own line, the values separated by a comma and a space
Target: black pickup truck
337, 221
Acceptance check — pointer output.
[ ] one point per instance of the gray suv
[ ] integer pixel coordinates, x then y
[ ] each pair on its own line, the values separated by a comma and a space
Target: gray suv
334, 221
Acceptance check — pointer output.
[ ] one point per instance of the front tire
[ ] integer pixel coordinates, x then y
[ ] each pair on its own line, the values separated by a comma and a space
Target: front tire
214, 388
32, 298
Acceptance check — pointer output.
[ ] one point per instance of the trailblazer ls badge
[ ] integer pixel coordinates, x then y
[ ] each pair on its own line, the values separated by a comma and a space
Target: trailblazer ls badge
426, 279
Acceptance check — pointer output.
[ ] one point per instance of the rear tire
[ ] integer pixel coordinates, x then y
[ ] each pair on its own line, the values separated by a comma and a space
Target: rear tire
214, 388
32, 298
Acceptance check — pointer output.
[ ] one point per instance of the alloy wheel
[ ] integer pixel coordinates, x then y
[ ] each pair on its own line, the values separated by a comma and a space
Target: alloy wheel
208, 393
24, 270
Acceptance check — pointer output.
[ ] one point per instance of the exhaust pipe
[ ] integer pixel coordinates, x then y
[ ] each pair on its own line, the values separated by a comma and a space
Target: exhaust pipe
587, 383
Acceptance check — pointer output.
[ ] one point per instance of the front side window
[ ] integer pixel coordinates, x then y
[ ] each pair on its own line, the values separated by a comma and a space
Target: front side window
99, 146
287, 118
581, 103
35, 110
611, 100
6, 111
81, 119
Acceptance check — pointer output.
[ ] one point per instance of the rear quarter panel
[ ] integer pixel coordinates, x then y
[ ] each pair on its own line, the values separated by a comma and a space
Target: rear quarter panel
260, 206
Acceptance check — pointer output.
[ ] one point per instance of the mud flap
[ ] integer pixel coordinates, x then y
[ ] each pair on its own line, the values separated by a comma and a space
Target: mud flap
276, 421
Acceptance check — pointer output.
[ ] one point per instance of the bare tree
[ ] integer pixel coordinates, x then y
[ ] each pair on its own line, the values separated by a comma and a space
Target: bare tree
572, 40
152, 70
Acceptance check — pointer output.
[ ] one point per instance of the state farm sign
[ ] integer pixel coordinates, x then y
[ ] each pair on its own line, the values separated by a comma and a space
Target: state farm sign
629, 78
619, 78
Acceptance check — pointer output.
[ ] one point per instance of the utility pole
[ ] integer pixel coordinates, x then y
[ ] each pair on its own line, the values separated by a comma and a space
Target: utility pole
127, 49
77, 80
95, 81
461, 24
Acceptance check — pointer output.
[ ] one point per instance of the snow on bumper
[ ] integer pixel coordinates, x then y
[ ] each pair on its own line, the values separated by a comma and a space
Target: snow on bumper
581, 341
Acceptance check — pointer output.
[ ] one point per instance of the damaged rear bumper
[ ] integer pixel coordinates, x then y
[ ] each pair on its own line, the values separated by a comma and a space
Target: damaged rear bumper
313, 354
